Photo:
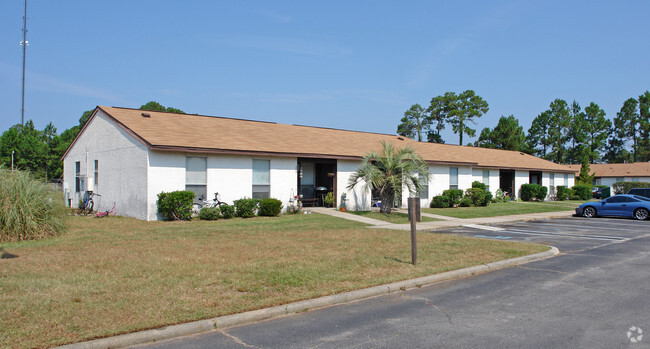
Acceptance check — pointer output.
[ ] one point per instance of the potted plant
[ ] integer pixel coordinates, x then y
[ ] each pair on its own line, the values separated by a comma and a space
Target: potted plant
329, 199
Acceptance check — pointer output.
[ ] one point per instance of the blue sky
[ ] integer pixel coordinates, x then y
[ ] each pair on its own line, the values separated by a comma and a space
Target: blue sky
343, 64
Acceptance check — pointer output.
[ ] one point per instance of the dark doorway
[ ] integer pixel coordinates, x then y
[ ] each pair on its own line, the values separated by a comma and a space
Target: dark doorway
507, 182
316, 178
535, 177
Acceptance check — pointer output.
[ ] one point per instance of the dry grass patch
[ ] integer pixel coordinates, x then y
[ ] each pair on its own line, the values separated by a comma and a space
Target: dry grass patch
117, 275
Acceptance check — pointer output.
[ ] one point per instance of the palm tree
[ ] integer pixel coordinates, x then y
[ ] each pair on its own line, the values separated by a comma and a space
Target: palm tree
389, 171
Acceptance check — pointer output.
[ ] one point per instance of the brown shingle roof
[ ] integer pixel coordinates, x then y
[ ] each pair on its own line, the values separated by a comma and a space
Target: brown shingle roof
197, 133
635, 169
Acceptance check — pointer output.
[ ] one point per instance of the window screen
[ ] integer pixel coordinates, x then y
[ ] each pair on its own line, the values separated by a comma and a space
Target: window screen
453, 178
261, 179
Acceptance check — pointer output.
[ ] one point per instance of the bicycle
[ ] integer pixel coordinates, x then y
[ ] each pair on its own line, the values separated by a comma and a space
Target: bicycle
196, 207
105, 213
87, 206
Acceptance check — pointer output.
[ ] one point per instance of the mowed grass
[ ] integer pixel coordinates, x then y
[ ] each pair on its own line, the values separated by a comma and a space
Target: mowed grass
505, 208
393, 217
117, 275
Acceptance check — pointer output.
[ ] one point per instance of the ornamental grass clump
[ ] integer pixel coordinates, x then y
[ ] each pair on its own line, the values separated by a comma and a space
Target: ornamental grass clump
29, 210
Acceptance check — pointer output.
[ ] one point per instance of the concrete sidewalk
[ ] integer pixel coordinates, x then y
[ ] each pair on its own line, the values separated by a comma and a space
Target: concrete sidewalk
444, 222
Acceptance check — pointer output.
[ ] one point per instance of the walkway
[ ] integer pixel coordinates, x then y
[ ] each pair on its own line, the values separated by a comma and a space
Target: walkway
444, 222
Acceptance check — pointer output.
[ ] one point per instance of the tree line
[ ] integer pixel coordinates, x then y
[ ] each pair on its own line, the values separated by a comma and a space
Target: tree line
565, 134
40, 151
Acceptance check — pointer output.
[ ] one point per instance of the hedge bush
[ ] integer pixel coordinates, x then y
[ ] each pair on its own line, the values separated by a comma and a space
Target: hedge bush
477, 196
465, 202
440, 201
246, 208
28, 208
528, 191
176, 205
209, 213
270, 207
624, 187
479, 185
542, 191
227, 211
563, 193
500, 197
454, 196
583, 191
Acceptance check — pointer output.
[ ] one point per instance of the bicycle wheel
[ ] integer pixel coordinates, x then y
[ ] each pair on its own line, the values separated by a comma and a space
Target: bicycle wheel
88, 208
196, 208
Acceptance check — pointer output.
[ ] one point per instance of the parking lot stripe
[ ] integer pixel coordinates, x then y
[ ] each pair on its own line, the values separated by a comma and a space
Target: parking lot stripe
598, 226
575, 236
483, 227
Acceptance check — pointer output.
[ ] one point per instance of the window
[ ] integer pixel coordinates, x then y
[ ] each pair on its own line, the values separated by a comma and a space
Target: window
196, 176
566, 179
486, 179
77, 176
453, 178
552, 175
619, 179
261, 179
424, 190
96, 172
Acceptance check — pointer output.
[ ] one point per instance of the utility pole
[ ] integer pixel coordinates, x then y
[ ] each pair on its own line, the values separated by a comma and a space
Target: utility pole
24, 44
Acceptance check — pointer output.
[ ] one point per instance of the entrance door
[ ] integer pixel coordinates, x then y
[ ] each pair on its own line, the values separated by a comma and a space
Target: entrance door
507, 182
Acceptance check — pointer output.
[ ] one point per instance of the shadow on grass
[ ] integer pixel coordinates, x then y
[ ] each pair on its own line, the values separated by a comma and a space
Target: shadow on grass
6, 255
397, 260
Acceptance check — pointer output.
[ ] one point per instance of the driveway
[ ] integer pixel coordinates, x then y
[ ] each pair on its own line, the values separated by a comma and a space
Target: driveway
594, 295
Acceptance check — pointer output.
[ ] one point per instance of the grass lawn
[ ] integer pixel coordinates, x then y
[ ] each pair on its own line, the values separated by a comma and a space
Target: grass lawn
393, 217
505, 208
117, 275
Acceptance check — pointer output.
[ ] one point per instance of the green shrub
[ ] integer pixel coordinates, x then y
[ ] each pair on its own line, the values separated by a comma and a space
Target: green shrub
28, 208
624, 187
465, 202
176, 205
270, 207
209, 213
227, 211
440, 201
246, 208
532, 191
477, 196
479, 185
329, 199
583, 191
454, 196
528, 191
499, 196
563, 193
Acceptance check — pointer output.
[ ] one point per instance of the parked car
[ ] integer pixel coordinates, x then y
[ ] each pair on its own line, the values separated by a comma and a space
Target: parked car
623, 205
597, 192
640, 191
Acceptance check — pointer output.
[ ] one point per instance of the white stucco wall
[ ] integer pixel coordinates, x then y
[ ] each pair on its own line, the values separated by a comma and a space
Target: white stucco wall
122, 175
229, 175
166, 174
358, 198
284, 179
521, 177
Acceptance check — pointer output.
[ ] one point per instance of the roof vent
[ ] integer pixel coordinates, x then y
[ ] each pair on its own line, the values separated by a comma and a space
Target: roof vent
400, 138
146, 115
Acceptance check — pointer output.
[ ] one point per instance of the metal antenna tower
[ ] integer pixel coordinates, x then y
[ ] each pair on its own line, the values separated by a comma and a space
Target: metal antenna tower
24, 44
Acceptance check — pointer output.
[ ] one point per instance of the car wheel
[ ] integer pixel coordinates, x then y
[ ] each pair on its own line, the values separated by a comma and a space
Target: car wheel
589, 212
641, 214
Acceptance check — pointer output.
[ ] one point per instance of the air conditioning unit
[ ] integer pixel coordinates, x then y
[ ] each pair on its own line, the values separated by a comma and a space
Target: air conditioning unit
86, 183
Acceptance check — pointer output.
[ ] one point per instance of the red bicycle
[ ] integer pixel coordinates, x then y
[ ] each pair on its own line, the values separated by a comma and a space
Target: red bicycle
105, 213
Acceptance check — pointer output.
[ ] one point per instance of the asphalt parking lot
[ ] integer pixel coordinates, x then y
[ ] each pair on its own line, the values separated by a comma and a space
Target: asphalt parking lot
567, 234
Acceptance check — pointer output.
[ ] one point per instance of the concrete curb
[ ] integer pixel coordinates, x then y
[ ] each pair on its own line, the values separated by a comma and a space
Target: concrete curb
226, 321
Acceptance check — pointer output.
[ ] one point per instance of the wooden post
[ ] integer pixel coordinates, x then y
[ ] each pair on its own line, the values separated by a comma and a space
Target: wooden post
412, 218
